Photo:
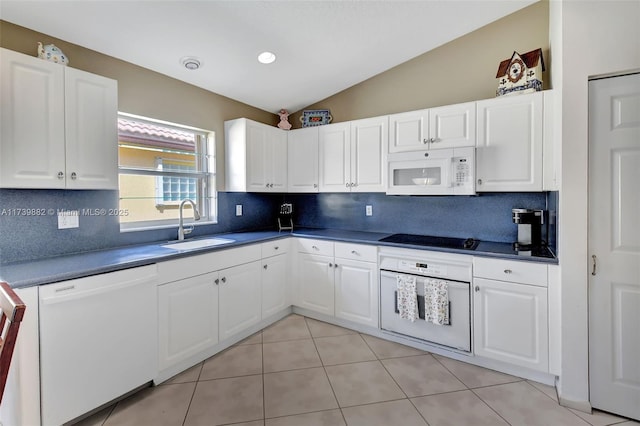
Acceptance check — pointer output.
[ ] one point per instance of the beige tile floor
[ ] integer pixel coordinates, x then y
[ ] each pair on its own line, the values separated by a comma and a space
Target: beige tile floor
303, 372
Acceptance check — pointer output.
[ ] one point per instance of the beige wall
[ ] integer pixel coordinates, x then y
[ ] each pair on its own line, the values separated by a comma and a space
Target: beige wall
459, 71
144, 92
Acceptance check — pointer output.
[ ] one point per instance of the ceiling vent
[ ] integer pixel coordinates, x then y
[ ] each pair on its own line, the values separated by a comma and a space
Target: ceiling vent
190, 63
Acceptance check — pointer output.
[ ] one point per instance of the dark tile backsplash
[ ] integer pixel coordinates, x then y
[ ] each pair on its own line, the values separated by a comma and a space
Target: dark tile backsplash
484, 217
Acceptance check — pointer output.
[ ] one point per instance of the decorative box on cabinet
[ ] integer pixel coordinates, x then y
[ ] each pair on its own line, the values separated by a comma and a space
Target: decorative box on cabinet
256, 156
510, 312
353, 156
450, 126
509, 143
59, 126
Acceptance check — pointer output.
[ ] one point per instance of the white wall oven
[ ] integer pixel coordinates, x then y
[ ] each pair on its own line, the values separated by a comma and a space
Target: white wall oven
433, 172
451, 271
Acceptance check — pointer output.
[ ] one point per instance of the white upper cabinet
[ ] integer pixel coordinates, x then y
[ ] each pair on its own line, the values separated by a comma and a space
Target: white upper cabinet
353, 156
509, 143
302, 165
256, 156
59, 126
443, 127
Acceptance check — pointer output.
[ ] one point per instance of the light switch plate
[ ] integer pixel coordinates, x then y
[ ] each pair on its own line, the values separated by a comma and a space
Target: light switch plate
369, 210
68, 219
238, 209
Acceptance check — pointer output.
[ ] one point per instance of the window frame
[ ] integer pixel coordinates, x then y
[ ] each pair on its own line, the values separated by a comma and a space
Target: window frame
207, 196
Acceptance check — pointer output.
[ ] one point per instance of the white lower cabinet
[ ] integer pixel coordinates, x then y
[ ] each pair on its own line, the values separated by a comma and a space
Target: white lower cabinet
338, 279
188, 318
275, 277
356, 283
510, 317
240, 303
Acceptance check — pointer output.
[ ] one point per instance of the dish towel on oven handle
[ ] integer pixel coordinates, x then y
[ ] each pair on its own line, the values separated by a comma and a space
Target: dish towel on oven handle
407, 297
436, 301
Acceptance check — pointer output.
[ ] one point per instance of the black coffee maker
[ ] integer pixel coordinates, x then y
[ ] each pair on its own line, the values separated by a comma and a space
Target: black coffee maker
529, 223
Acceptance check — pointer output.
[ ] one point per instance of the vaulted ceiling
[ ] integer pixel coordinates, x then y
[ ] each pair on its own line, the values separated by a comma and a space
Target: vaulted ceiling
321, 47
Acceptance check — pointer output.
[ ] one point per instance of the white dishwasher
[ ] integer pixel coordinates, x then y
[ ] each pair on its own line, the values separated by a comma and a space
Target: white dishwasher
98, 340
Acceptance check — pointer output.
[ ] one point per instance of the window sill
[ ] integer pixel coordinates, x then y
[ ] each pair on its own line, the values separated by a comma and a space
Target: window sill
167, 226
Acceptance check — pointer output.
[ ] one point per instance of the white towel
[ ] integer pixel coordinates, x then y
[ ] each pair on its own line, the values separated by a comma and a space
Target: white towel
407, 297
436, 301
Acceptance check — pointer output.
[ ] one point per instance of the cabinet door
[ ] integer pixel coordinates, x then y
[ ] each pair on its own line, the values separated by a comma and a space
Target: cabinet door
315, 286
356, 291
275, 285
32, 128
240, 303
369, 140
257, 162
303, 160
452, 126
509, 144
510, 323
335, 161
276, 154
91, 114
409, 131
188, 318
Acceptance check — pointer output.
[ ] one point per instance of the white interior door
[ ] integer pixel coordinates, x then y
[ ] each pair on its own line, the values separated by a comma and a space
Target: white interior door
614, 244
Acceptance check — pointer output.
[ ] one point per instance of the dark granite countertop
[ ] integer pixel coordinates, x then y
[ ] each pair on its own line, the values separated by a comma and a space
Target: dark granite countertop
61, 268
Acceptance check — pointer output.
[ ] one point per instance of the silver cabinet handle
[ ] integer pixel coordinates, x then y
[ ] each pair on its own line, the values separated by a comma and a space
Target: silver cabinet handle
315, 247
508, 271
477, 289
330, 264
425, 141
354, 252
335, 266
217, 281
223, 279
276, 247
60, 175
265, 266
593, 258
74, 175
315, 185
479, 181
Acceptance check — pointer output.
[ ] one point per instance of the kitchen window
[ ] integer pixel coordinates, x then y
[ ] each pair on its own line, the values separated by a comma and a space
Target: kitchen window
161, 164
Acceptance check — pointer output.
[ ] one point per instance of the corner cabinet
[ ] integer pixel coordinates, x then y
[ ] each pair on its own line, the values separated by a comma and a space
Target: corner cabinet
353, 155
59, 126
510, 143
511, 312
256, 156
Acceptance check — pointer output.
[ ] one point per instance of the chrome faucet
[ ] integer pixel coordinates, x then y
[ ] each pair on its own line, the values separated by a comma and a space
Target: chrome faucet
196, 216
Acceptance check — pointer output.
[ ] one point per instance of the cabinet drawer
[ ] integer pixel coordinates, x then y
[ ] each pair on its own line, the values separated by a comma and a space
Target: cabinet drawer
306, 245
511, 270
273, 248
356, 252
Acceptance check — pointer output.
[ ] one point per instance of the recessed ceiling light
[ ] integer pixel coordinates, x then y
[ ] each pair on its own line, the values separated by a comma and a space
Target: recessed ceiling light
191, 63
266, 57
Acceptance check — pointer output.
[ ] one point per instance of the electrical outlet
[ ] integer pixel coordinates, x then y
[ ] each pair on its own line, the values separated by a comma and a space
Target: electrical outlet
238, 209
68, 219
369, 210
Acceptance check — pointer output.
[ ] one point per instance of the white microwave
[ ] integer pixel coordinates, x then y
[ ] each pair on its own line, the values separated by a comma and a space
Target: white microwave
433, 172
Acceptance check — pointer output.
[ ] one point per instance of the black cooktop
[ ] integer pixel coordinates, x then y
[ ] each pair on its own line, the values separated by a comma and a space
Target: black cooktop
431, 241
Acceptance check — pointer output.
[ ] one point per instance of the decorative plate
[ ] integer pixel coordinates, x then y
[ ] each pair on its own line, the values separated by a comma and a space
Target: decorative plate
316, 117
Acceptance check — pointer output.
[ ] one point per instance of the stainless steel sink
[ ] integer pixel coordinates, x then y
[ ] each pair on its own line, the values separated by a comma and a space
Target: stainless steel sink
195, 244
